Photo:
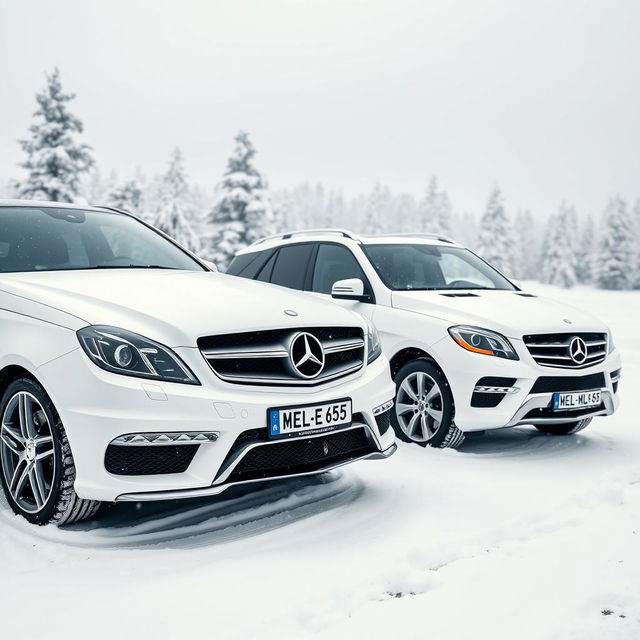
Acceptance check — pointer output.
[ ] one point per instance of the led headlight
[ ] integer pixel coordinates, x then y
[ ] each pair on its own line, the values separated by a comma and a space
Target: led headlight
130, 354
373, 342
483, 341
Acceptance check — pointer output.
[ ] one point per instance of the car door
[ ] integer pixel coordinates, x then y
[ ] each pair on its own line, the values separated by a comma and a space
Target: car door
335, 262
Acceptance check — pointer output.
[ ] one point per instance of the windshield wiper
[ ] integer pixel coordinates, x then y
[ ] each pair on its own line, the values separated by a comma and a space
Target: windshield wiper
130, 266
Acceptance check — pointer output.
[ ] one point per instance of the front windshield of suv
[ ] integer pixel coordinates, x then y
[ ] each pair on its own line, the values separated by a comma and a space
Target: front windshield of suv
60, 239
411, 267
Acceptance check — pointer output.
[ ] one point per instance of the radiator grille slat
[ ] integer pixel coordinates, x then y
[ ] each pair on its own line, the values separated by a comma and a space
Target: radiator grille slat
553, 349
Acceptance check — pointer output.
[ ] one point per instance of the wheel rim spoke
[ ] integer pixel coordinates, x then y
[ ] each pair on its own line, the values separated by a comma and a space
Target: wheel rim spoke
434, 393
421, 382
436, 414
12, 439
413, 424
406, 387
403, 408
38, 485
20, 474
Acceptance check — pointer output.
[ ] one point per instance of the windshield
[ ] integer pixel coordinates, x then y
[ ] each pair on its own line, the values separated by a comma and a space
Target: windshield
409, 267
50, 239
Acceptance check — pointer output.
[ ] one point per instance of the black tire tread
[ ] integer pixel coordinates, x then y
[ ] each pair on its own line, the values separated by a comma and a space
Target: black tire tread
70, 508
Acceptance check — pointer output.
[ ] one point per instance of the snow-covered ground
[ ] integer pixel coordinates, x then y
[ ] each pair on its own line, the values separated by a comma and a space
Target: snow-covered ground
517, 535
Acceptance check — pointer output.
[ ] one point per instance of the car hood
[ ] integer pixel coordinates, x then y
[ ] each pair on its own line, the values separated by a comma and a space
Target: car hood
511, 313
172, 307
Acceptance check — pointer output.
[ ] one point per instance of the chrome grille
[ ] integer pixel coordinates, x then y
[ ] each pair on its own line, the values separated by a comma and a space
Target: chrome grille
553, 349
263, 357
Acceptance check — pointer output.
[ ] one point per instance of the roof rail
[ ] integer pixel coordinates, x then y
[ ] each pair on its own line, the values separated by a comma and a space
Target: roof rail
345, 233
433, 236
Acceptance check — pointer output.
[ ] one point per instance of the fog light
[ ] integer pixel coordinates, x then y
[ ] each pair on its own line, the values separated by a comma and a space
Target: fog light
150, 439
383, 407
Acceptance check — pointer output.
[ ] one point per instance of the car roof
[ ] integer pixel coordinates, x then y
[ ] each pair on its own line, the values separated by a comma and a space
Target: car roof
344, 236
44, 204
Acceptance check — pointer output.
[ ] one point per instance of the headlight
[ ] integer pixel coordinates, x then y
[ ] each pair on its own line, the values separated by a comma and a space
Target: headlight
129, 354
373, 342
483, 341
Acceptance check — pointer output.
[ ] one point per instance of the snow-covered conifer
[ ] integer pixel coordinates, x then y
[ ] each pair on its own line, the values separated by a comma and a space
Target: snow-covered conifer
616, 261
56, 159
559, 260
173, 213
242, 213
435, 210
586, 252
376, 208
126, 195
495, 240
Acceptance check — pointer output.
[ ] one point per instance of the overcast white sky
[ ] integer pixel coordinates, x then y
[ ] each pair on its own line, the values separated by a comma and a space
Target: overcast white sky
542, 97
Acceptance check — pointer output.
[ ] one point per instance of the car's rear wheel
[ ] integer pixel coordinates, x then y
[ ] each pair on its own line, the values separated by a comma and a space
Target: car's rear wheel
423, 411
564, 429
37, 472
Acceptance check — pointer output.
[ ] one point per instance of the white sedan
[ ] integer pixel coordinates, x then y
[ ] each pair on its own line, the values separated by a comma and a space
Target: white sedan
130, 371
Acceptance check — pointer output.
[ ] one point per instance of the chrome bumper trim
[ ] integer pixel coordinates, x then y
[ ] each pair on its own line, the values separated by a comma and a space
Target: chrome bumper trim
151, 496
542, 400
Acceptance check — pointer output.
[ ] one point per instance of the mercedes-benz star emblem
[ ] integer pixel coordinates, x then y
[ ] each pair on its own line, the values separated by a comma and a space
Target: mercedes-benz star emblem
306, 355
578, 350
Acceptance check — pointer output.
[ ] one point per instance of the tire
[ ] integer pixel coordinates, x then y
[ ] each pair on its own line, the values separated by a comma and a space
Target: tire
564, 429
37, 471
423, 410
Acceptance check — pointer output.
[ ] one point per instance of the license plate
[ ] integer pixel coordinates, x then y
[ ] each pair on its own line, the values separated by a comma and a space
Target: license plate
308, 419
577, 400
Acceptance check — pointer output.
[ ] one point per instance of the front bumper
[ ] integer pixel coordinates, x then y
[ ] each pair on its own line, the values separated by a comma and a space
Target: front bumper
523, 405
96, 407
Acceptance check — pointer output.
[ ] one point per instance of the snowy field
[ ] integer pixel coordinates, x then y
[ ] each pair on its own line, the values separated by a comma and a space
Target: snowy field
517, 535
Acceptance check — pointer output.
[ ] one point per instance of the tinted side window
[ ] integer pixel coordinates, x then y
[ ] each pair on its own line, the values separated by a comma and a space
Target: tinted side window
291, 266
264, 274
335, 262
249, 264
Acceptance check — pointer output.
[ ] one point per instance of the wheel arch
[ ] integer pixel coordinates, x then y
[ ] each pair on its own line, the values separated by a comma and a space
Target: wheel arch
402, 357
12, 372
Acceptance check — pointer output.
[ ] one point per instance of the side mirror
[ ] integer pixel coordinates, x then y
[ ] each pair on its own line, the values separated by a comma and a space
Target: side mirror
351, 289
211, 265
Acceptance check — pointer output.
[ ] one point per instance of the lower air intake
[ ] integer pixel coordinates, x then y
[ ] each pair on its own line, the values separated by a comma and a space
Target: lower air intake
148, 461
301, 455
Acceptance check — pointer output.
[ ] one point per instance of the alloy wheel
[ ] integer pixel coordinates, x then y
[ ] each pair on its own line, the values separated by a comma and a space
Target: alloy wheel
27, 452
419, 406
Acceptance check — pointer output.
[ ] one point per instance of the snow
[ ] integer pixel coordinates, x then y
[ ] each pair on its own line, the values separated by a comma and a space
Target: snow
517, 535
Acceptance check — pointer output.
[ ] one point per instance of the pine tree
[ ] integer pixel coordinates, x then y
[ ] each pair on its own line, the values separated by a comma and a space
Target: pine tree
174, 213
435, 211
242, 213
56, 159
616, 261
636, 226
374, 217
559, 260
495, 240
526, 247
126, 195
585, 252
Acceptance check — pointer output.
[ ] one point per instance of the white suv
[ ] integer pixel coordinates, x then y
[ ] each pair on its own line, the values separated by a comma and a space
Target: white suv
468, 349
130, 371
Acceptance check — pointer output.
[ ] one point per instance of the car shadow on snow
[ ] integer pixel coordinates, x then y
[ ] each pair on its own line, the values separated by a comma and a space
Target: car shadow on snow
240, 512
528, 442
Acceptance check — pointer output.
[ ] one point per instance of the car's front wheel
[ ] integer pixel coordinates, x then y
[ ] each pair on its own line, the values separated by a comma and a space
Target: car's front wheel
423, 411
38, 472
564, 429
